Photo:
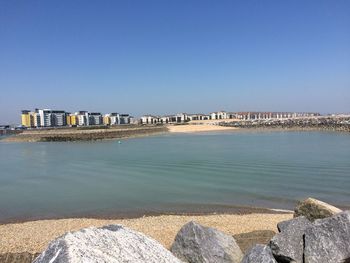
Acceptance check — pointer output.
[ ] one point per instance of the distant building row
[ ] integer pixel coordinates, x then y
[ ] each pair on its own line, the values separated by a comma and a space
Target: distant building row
223, 115
60, 118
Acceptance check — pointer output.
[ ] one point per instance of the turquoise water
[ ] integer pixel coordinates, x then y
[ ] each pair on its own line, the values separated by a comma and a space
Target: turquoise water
172, 173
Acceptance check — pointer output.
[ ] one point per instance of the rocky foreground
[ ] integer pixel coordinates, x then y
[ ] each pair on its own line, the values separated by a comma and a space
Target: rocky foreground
318, 233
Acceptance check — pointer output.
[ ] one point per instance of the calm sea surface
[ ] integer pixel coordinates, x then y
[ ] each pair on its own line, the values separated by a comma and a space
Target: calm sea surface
172, 173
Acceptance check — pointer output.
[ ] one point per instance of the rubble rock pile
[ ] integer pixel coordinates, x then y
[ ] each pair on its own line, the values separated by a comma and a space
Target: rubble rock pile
319, 233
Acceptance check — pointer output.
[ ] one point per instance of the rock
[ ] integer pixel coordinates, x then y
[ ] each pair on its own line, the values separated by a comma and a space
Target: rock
259, 254
287, 246
315, 209
281, 226
328, 240
195, 243
113, 244
248, 240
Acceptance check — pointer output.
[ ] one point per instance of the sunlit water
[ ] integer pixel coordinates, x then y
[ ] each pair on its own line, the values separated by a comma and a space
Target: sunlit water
172, 173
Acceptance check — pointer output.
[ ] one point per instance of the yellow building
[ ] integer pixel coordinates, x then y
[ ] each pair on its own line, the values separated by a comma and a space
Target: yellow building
71, 120
27, 119
106, 120
68, 120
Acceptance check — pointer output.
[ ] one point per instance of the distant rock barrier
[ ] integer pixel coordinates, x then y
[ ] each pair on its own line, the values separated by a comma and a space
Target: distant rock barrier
307, 124
75, 134
319, 233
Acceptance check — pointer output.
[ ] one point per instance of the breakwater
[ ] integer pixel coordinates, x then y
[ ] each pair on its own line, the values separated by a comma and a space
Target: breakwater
320, 123
78, 134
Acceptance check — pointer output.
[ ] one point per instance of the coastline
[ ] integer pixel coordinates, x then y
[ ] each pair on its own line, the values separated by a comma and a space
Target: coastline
76, 134
35, 235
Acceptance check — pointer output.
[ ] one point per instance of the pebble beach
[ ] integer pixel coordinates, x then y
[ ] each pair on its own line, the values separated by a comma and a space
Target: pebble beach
34, 236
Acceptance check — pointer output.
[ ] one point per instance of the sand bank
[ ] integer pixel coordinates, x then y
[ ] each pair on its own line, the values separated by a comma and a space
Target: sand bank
192, 128
34, 236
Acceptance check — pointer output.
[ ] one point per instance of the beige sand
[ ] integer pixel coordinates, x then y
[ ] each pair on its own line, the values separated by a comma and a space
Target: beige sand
191, 128
34, 236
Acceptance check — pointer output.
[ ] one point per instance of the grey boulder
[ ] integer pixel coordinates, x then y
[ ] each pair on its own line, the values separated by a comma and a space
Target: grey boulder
195, 243
314, 209
259, 254
112, 244
328, 240
299, 221
287, 246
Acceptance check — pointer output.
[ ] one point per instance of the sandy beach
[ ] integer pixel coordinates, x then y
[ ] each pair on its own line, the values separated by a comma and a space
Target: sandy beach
194, 128
34, 236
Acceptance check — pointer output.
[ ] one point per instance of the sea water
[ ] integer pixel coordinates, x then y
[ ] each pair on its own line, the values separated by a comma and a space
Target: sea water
172, 173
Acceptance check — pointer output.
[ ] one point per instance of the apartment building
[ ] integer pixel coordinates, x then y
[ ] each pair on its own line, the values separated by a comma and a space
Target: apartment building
95, 118
27, 118
82, 118
58, 118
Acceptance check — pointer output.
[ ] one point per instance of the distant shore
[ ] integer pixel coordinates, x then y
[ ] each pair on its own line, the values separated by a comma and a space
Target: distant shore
130, 131
105, 133
85, 133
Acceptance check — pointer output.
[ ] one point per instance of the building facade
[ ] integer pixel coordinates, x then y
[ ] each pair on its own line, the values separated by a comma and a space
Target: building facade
95, 118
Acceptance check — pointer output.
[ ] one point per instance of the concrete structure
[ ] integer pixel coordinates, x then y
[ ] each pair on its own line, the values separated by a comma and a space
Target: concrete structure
95, 118
149, 119
124, 118
45, 117
106, 119
219, 115
58, 118
198, 117
27, 119
71, 119
82, 118
273, 115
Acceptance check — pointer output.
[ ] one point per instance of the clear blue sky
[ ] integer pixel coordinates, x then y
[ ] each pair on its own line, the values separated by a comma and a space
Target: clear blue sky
171, 56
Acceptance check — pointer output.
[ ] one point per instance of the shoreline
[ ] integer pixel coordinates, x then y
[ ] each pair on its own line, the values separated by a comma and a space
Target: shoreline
115, 133
191, 210
77, 134
35, 235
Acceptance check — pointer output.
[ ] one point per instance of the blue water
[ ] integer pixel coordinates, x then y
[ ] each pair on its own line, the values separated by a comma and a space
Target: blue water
172, 173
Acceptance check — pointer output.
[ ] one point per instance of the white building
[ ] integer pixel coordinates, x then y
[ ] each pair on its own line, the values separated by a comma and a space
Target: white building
220, 115
82, 118
58, 118
198, 117
150, 119
124, 118
119, 119
45, 117
95, 118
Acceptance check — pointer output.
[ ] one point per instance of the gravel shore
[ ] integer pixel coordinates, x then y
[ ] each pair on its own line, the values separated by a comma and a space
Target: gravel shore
34, 236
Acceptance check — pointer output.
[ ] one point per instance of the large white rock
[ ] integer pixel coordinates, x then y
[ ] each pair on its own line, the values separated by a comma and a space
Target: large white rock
112, 244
